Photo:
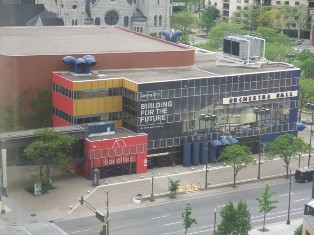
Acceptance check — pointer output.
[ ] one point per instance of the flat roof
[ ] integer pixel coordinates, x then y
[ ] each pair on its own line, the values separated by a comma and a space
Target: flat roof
29, 133
120, 132
78, 40
205, 66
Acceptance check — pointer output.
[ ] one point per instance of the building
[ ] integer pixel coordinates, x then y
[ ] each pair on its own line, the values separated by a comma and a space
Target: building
167, 103
175, 106
145, 16
308, 218
16, 14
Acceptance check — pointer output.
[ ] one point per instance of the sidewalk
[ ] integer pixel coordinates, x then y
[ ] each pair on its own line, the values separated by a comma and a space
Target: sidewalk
61, 203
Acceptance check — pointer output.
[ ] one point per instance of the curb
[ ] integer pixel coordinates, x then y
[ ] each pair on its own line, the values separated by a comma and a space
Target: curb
214, 186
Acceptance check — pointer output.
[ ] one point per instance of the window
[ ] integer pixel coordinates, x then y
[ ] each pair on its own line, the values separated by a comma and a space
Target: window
111, 18
160, 20
286, 2
238, 8
297, 3
238, 1
126, 21
74, 6
155, 20
278, 2
141, 29
246, 1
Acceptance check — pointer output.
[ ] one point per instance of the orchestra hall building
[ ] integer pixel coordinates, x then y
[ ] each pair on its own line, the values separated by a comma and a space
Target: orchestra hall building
163, 104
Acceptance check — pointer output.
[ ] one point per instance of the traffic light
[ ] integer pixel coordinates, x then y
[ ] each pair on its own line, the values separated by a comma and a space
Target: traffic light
81, 200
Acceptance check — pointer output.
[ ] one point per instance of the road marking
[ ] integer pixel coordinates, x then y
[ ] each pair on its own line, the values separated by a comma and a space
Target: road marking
81, 231
159, 217
274, 217
302, 199
179, 222
54, 225
26, 231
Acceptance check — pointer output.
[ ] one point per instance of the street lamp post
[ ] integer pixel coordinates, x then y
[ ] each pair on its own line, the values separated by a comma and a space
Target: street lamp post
288, 220
152, 195
260, 111
212, 118
215, 215
309, 160
108, 218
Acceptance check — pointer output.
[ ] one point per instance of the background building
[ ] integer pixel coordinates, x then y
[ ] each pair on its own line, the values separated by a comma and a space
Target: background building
143, 16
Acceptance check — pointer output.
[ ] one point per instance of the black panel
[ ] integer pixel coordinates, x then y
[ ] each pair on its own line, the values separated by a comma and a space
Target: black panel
227, 46
235, 48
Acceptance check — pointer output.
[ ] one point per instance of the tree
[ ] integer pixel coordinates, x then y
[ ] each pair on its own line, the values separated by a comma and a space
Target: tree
173, 187
188, 221
306, 94
249, 16
217, 33
285, 146
234, 220
307, 67
302, 18
209, 16
265, 203
298, 231
183, 20
238, 156
50, 148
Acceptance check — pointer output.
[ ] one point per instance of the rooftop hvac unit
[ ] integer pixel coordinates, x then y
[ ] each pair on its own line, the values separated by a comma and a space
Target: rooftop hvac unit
243, 47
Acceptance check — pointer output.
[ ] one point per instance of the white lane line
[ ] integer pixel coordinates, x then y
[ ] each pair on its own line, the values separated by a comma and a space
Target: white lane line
159, 217
54, 225
81, 231
26, 231
274, 217
303, 199
179, 222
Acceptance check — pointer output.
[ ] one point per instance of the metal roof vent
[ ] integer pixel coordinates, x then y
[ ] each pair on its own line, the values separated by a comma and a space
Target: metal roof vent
80, 65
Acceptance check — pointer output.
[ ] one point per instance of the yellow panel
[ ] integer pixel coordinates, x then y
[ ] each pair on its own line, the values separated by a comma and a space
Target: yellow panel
116, 83
108, 105
80, 86
102, 83
94, 85
78, 108
117, 104
94, 106
88, 85
87, 107
109, 83
102, 105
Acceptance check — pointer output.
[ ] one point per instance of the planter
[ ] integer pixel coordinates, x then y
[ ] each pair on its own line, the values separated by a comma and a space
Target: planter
138, 199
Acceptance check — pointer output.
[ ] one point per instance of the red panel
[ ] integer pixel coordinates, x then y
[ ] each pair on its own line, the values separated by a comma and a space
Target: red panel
62, 102
56, 121
115, 152
141, 164
62, 81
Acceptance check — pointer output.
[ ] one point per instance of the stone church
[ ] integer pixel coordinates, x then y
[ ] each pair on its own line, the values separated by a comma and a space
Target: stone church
144, 16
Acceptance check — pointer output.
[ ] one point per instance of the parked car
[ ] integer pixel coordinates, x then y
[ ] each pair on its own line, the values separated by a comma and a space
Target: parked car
304, 174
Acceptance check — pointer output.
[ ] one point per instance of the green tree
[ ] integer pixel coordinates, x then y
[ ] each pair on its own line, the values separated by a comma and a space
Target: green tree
50, 148
173, 187
234, 220
217, 33
188, 221
306, 94
238, 156
209, 16
183, 20
307, 67
42, 108
298, 231
265, 203
285, 146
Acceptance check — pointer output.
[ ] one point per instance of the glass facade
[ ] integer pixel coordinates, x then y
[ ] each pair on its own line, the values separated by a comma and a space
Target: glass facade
170, 112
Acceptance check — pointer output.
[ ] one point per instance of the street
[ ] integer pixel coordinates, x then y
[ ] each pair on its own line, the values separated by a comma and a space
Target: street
166, 218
